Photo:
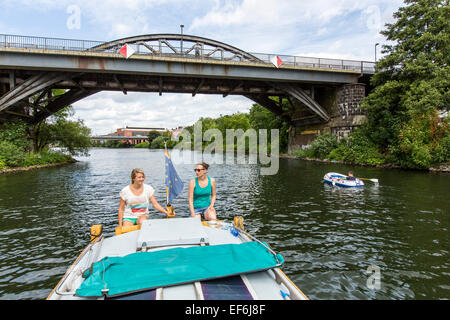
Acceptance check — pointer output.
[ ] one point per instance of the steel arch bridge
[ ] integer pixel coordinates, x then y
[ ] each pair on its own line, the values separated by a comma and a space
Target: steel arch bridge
163, 45
30, 67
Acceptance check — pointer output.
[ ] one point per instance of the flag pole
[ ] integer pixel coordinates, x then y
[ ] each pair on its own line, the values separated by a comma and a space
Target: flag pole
168, 205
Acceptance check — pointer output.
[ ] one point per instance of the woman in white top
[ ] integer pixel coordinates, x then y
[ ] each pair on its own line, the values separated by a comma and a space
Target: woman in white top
135, 199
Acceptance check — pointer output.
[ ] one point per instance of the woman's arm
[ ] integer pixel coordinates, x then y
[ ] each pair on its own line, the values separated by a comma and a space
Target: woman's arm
213, 192
121, 208
191, 197
157, 206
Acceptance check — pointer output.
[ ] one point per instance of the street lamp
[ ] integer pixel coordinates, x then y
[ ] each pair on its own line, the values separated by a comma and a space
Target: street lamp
181, 45
376, 44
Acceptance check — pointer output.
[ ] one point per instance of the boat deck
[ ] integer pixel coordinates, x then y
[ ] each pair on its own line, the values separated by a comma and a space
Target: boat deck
161, 234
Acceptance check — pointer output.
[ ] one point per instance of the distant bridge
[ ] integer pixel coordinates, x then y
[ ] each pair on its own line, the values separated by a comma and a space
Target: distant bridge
130, 139
31, 66
117, 137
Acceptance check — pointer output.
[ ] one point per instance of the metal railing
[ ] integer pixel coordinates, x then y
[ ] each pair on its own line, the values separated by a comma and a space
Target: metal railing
169, 50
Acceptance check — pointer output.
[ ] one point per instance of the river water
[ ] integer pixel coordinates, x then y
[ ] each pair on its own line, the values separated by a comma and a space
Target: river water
385, 241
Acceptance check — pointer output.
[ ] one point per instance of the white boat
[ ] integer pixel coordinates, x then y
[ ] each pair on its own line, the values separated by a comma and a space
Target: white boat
338, 179
177, 259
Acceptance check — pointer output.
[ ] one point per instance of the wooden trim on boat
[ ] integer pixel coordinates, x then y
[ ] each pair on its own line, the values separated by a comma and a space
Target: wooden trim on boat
122, 230
278, 270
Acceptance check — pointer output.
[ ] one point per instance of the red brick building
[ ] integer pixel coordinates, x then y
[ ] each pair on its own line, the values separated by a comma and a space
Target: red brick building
139, 134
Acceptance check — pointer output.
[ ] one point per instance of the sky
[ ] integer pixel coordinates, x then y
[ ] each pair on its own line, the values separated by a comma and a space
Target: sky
342, 29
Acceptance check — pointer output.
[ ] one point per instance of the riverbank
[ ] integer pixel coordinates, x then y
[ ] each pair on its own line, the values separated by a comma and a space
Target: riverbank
442, 167
36, 166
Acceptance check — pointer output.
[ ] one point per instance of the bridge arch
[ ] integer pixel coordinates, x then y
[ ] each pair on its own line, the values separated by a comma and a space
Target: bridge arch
179, 45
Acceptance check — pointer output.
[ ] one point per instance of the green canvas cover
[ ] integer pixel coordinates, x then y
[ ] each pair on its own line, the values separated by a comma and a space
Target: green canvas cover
146, 270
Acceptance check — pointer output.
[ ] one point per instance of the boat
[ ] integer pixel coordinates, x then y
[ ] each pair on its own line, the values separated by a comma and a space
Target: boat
338, 179
180, 258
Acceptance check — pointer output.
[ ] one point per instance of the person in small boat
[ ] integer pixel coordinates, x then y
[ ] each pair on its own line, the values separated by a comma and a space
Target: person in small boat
135, 199
202, 193
350, 176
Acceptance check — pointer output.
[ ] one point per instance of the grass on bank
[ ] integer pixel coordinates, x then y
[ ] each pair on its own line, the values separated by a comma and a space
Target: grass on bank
12, 157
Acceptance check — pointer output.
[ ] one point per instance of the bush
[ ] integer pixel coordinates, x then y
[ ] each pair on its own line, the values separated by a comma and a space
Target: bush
322, 146
158, 143
359, 149
303, 153
142, 145
16, 134
2, 164
54, 157
45, 157
32, 159
339, 153
12, 155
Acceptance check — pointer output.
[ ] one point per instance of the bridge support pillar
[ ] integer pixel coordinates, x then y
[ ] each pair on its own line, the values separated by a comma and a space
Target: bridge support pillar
342, 104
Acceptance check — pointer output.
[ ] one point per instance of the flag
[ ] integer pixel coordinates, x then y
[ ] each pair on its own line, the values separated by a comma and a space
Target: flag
174, 185
276, 60
126, 51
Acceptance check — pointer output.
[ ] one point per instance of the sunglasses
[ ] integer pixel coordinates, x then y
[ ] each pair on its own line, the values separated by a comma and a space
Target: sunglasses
198, 170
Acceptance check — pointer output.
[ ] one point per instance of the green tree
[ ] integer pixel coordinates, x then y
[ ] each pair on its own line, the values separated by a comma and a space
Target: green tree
158, 143
58, 130
261, 118
412, 86
153, 135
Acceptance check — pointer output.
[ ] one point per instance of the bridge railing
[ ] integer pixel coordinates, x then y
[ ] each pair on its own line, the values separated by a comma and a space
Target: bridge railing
31, 42
167, 49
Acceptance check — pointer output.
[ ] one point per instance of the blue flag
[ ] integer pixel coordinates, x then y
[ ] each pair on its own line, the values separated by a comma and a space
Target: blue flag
173, 182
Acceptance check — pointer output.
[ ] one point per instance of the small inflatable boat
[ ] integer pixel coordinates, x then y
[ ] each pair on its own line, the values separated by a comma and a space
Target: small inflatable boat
337, 179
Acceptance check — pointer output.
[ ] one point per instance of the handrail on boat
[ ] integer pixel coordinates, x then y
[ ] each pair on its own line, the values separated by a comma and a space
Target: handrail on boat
69, 271
260, 242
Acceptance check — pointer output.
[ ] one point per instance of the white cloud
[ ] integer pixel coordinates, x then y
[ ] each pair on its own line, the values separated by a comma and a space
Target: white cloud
287, 27
105, 111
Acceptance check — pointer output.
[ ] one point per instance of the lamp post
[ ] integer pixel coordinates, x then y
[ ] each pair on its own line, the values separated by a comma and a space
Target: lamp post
376, 44
181, 44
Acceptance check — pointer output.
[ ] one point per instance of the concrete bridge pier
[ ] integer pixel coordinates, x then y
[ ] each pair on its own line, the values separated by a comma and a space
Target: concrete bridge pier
342, 104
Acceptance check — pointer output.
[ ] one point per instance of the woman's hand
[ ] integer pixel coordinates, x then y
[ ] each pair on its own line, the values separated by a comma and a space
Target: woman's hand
169, 214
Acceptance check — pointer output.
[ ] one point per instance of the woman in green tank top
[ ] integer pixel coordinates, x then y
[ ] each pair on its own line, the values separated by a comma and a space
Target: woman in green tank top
202, 193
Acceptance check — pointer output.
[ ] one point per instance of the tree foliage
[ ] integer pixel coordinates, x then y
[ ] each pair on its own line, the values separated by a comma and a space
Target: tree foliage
22, 144
58, 130
258, 118
412, 86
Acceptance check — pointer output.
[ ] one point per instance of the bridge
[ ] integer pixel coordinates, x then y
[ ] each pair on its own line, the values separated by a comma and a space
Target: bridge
30, 67
130, 139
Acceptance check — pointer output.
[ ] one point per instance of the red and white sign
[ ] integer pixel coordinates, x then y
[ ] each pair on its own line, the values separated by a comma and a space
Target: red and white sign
126, 51
276, 61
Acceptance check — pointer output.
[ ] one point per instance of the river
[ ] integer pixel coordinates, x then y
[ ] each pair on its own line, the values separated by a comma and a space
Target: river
385, 241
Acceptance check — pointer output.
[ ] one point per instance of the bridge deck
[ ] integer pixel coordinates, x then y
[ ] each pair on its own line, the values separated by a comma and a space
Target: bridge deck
75, 61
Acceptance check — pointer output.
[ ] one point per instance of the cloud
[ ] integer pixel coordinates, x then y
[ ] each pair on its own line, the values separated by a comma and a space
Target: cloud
107, 111
287, 27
